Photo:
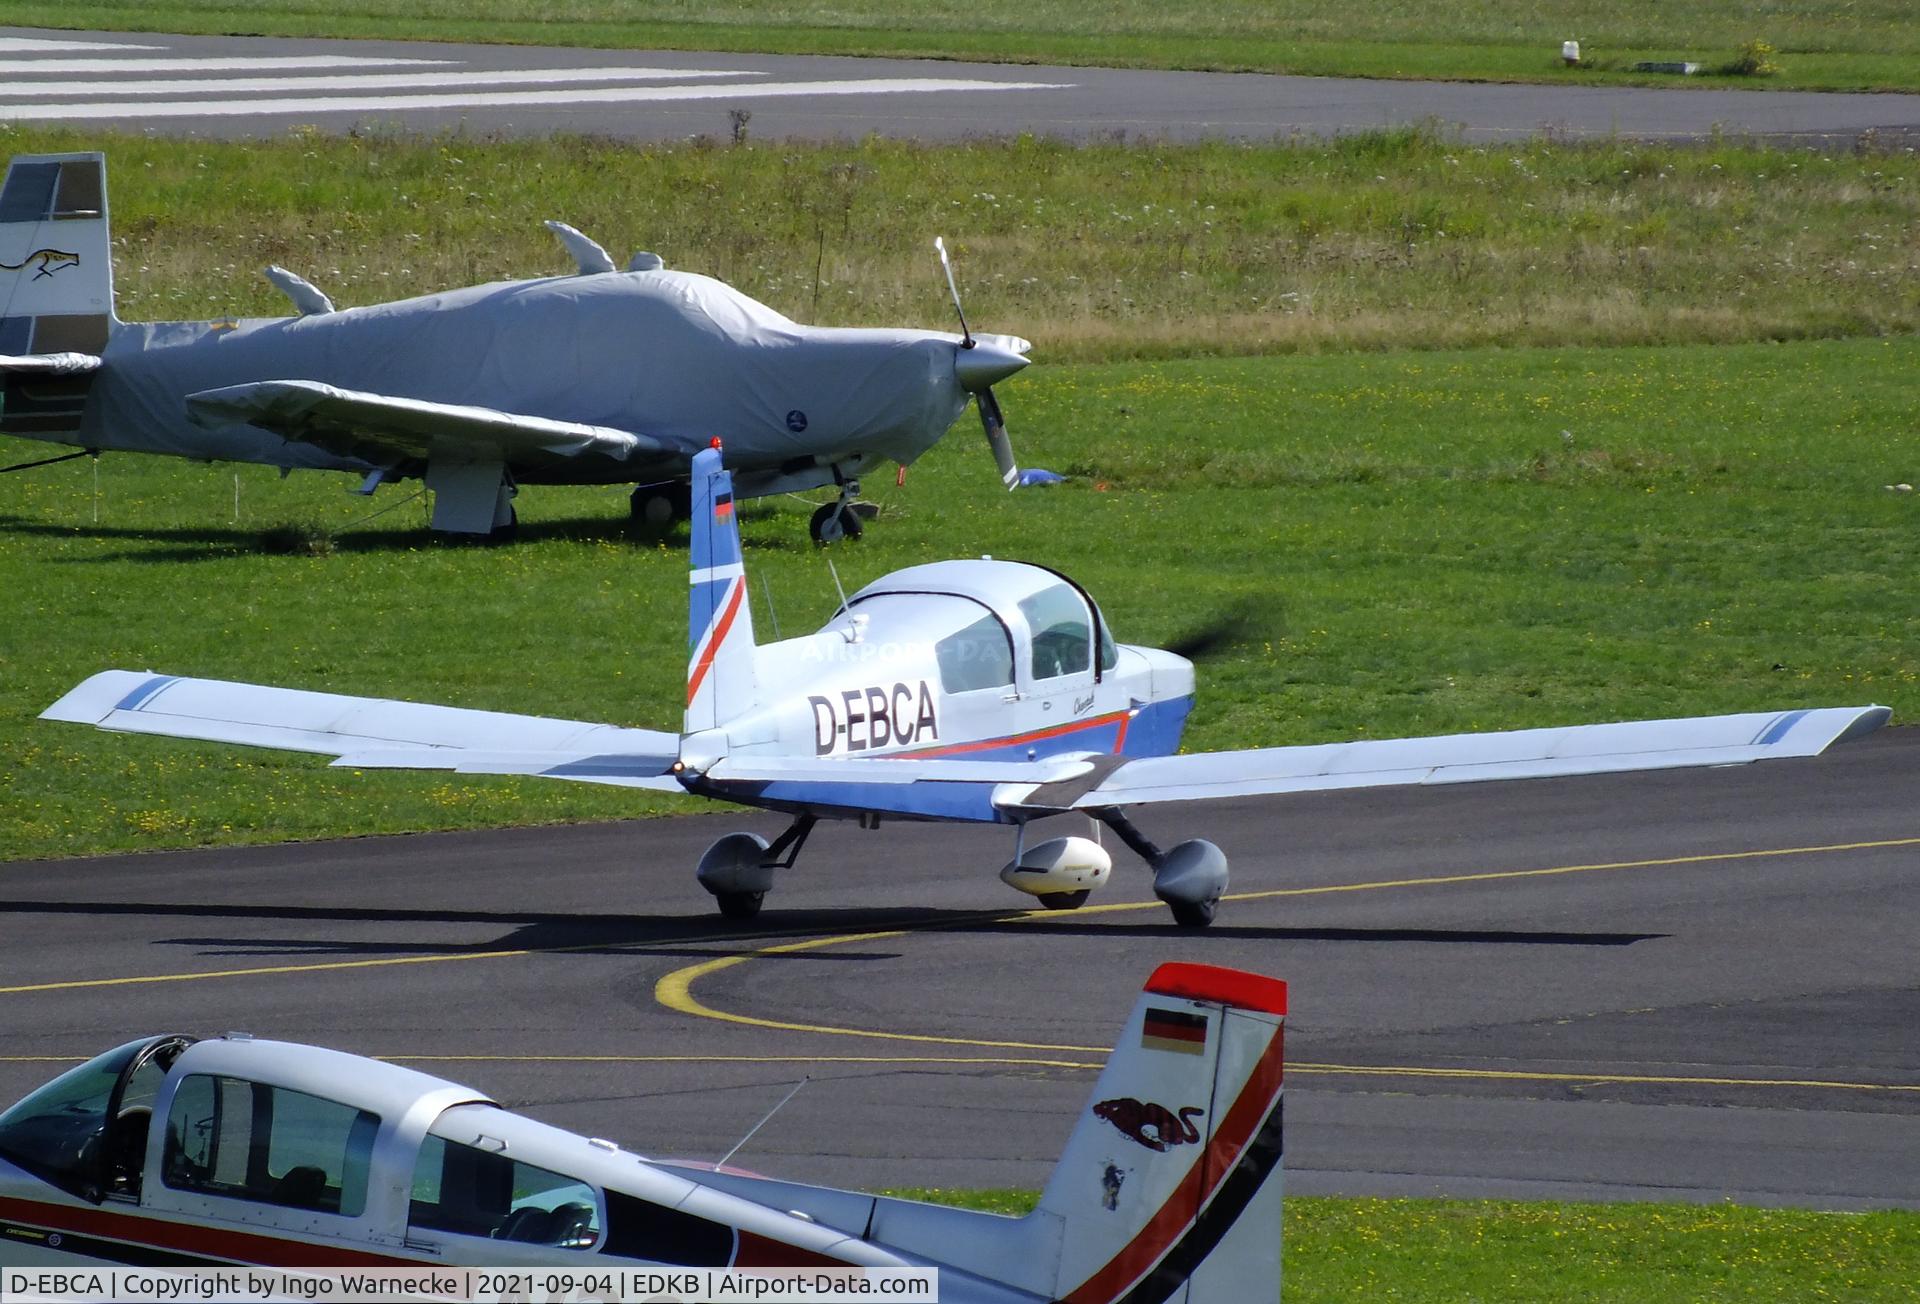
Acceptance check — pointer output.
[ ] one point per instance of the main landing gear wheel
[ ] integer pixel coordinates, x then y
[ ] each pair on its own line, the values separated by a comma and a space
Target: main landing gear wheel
739, 905
505, 533
660, 506
835, 521
1064, 900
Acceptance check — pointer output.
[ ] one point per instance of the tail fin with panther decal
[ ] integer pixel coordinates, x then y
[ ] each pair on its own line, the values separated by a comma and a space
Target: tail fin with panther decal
56, 289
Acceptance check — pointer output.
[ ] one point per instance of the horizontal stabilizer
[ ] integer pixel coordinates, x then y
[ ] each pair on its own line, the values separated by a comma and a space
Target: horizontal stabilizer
383, 428
1472, 758
49, 364
328, 723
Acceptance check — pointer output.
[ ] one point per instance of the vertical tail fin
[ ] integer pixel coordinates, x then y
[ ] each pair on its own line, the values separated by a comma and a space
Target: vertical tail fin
720, 670
56, 268
56, 290
1169, 1187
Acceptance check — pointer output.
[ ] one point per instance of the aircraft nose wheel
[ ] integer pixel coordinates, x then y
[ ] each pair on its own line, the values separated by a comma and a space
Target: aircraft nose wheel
835, 521
739, 905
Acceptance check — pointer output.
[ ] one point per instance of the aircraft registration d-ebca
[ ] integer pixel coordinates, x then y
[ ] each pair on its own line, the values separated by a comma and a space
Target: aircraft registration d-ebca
609, 376
174, 1151
983, 691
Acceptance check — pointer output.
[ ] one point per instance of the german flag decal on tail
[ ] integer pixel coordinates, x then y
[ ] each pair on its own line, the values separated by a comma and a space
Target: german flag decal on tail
1174, 1030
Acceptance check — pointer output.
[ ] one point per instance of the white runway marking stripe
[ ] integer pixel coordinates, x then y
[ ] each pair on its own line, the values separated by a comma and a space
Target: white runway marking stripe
262, 63
31, 44
502, 99
361, 81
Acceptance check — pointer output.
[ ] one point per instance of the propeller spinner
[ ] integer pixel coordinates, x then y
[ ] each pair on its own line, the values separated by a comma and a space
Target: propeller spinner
980, 362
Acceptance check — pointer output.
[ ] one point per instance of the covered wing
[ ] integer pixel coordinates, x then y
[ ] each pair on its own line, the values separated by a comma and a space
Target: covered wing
385, 428
48, 364
371, 732
1464, 758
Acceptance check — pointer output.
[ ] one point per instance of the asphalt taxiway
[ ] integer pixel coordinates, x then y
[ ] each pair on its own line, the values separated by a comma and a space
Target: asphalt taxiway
1690, 985
242, 86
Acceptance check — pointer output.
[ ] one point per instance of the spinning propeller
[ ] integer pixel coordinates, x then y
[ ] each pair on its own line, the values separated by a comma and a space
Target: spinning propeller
980, 362
1242, 622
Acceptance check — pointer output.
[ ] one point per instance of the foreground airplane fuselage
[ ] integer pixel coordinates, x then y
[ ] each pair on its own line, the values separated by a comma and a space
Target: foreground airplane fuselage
170, 1151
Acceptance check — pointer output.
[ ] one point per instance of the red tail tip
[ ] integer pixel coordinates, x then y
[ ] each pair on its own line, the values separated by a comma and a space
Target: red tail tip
1211, 982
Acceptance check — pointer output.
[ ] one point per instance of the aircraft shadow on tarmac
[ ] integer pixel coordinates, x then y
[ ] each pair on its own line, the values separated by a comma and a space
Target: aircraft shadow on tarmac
633, 934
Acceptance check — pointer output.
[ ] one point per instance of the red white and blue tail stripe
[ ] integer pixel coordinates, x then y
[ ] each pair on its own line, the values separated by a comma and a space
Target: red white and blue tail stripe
720, 674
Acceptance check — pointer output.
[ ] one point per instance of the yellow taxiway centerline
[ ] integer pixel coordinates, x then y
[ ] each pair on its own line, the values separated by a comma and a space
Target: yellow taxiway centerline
675, 989
1440, 880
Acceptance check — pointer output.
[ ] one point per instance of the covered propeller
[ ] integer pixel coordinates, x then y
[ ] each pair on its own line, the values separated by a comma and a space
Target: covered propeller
981, 361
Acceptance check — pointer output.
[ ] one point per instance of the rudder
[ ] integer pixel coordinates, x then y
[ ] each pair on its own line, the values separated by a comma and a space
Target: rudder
1169, 1188
720, 669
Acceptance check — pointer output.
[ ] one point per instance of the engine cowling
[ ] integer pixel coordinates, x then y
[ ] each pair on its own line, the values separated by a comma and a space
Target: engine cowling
1059, 865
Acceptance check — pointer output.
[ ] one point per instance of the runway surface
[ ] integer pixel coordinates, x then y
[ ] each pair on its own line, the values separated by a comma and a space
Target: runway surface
1692, 985
264, 86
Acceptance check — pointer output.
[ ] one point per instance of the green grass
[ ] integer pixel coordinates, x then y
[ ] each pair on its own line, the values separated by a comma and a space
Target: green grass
1400, 240
1435, 541
1497, 1251
1836, 44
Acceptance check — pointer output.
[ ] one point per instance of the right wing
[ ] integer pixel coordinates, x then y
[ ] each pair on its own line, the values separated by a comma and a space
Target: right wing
372, 733
385, 428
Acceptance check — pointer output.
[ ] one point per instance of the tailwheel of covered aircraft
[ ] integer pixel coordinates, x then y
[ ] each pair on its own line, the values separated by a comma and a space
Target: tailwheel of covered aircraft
1065, 900
660, 506
506, 533
739, 905
835, 521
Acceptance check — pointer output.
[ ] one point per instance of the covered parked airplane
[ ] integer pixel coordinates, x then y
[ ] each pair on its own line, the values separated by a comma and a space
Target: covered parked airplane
988, 691
172, 1151
604, 377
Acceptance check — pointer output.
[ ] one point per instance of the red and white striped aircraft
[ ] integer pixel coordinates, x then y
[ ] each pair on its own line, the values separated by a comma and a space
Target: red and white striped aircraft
169, 1151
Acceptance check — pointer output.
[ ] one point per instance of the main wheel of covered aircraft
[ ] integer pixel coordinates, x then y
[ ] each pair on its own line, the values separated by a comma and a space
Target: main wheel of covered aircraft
661, 505
739, 905
506, 533
1065, 900
835, 521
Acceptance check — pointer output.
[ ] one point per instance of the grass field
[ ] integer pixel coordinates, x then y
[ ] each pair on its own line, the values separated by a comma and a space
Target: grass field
1436, 542
1496, 1252
1839, 44
1401, 240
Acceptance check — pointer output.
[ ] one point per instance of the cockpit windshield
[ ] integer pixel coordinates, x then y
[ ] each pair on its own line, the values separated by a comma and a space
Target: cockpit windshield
56, 1133
1062, 631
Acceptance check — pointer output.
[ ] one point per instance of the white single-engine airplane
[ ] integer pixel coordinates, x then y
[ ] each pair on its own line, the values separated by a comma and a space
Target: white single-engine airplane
988, 691
605, 377
174, 1152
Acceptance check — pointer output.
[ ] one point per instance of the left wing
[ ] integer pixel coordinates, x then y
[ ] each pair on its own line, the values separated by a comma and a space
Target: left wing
383, 428
370, 732
49, 364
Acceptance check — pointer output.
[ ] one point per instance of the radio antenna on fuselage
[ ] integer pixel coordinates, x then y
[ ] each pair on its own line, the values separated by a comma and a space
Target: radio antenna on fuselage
838, 587
766, 591
721, 1163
